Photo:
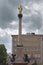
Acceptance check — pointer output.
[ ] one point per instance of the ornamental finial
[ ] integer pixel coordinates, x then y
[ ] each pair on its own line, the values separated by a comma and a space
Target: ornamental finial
20, 9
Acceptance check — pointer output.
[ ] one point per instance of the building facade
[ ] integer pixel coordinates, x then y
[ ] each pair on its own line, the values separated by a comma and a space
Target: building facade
32, 45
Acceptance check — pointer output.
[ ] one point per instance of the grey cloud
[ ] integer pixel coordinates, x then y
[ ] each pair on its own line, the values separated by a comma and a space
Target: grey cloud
33, 22
5, 39
37, 21
15, 3
36, 1
7, 14
15, 26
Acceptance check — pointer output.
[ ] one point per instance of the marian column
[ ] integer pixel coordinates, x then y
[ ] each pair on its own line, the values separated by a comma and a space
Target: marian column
19, 58
20, 24
19, 52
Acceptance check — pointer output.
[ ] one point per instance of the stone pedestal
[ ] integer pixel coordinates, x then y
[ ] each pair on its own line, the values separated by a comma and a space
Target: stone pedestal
19, 56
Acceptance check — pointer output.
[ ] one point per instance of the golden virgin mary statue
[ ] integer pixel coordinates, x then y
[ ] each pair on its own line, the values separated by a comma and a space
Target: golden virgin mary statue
20, 9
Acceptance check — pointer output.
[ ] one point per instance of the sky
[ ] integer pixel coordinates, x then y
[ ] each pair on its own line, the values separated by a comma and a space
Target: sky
32, 20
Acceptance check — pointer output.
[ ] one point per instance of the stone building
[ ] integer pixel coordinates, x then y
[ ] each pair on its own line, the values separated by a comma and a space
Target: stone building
32, 45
